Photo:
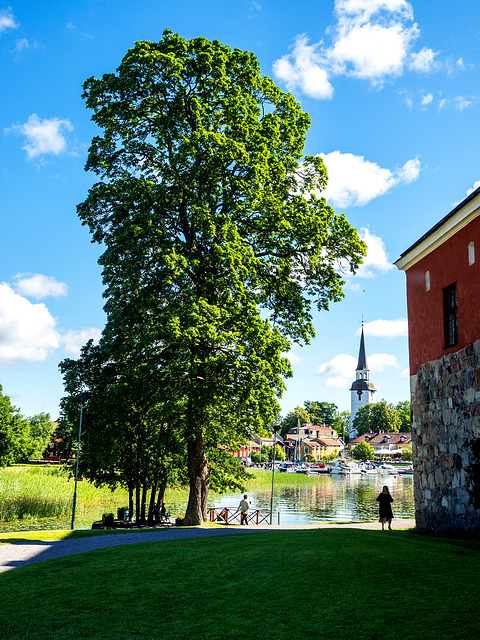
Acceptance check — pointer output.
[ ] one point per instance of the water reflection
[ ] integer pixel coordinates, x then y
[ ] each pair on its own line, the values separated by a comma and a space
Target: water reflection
326, 498
331, 499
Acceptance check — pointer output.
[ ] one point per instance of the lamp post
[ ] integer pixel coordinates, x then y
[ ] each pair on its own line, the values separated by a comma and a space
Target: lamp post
273, 476
85, 395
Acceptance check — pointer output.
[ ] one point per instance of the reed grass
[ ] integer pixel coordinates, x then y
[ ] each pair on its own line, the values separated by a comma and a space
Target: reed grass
32, 492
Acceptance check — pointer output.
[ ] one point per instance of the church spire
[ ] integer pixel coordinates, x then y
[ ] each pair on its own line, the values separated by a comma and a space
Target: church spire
362, 390
362, 356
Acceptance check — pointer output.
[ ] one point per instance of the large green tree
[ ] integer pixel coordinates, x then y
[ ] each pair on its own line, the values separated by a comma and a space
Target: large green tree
378, 416
15, 440
403, 411
291, 421
210, 217
41, 431
322, 412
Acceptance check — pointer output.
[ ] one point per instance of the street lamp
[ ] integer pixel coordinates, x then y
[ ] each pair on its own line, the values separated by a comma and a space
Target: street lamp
85, 395
273, 475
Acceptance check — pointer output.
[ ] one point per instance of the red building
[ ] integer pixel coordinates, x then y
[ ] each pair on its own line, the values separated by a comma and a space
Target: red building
443, 287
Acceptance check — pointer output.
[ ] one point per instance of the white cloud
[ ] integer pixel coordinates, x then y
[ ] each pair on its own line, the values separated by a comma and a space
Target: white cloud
73, 341
376, 258
292, 356
386, 328
405, 373
303, 69
462, 102
44, 136
35, 285
7, 21
409, 172
372, 39
354, 181
372, 51
378, 361
424, 61
475, 186
27, 331
339, 372
426, 100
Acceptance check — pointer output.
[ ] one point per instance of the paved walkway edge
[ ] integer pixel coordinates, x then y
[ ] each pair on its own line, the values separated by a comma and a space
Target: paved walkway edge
13, 556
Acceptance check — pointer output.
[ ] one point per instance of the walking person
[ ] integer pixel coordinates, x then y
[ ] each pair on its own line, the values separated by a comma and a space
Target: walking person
244, 506
385, 508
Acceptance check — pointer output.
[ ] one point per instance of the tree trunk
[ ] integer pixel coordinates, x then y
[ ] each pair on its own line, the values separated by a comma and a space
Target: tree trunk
152, 507
143, 517
137, 505
199, 480
161, 495
130, 504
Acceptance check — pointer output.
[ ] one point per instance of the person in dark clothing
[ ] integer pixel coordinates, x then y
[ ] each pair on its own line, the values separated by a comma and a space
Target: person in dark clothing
385, 508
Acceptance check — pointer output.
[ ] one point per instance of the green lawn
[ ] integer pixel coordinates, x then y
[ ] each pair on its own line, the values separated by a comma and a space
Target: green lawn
306, 584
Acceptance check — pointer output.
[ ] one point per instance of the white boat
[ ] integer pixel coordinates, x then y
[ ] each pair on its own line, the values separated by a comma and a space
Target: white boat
344, 468
337, 467
406, 470
387, 469
368, 469
287, 467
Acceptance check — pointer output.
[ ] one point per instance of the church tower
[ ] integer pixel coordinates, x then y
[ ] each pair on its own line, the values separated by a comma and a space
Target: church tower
362, 389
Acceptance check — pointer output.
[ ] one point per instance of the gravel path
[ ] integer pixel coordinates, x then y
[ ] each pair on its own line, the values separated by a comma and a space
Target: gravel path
18, 555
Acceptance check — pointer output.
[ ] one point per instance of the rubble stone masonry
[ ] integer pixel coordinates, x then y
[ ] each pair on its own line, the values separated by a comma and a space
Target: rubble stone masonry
445, 397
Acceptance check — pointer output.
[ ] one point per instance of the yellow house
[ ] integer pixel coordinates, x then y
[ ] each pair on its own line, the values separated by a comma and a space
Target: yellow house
319, 448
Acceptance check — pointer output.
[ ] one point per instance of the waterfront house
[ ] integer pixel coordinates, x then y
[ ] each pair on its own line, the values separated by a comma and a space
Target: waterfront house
384, 444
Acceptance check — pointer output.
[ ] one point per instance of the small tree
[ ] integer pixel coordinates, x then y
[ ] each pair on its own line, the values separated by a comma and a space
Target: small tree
363, 451
407, 454
293, 418
41, 430
279, 453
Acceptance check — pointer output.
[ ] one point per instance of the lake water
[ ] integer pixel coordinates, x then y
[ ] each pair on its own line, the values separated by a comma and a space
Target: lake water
304, 500
330, 498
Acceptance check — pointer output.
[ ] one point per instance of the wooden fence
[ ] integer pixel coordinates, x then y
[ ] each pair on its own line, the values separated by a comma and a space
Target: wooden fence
225, 515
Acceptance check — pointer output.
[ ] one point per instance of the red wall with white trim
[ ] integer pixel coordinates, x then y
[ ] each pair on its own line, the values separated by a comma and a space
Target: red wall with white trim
447, 264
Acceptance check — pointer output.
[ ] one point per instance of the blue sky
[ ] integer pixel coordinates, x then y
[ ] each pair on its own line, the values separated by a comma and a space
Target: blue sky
391, 87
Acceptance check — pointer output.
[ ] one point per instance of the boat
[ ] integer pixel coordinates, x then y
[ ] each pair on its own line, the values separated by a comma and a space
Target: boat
344, 468
302, 469
337, 467
287, 467
319, 467
406, 471
368, 469
387, 469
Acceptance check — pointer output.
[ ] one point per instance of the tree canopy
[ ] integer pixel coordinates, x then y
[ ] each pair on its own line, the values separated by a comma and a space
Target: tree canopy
21, 438
210, 216
378, 416
363, 451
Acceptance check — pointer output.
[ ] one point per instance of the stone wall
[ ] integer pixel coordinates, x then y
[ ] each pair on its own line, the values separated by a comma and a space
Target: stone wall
445, 396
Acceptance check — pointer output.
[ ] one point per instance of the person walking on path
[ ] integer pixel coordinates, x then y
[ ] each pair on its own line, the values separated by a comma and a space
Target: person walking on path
244, 506
385, 508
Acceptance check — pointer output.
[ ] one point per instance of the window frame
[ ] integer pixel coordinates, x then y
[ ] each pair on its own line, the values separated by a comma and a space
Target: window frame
450, 315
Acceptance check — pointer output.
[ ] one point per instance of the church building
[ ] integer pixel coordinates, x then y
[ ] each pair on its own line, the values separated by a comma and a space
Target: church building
362, 389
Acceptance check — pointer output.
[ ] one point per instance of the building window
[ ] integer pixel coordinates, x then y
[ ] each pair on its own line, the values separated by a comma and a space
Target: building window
450, 315
471, 253
427, 281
